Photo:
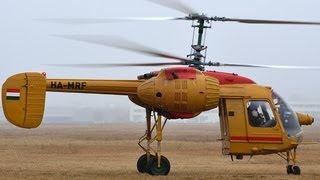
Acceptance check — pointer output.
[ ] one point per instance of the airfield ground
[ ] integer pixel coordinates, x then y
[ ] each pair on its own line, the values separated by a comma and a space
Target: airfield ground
110, 151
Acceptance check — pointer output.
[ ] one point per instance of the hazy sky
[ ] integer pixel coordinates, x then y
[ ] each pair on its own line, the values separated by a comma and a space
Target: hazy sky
26, 44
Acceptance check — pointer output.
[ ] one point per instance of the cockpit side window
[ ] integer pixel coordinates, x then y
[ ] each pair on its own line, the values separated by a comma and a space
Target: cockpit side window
260, 114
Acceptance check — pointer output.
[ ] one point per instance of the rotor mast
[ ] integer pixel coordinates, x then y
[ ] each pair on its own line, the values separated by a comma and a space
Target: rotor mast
200, 24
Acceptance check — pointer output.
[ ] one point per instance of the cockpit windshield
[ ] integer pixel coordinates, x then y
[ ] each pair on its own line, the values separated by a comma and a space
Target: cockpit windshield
288, 117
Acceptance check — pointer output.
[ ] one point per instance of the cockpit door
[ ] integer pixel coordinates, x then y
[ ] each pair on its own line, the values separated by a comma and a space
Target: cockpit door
236, 117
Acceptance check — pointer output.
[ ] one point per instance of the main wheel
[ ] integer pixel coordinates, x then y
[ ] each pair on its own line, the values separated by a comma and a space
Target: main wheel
153, 168
142, 163
289, 169
296, 170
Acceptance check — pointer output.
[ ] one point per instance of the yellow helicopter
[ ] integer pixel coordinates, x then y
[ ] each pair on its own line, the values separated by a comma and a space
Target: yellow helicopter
254, 120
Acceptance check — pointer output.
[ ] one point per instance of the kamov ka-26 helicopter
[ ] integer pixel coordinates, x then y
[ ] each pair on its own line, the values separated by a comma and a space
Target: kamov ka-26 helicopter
254, 119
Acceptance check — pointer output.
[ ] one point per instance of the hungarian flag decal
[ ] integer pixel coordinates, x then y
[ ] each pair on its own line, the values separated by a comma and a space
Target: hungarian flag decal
13, 94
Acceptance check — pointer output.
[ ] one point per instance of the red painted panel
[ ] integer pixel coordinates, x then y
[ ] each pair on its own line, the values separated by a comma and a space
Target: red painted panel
180, 73
175, 115
229, 78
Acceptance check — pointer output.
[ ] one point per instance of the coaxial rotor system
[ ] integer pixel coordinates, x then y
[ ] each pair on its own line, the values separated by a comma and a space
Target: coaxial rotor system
196, 59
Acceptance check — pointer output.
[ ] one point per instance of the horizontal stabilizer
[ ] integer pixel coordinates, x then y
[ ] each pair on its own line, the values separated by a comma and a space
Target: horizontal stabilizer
23, 99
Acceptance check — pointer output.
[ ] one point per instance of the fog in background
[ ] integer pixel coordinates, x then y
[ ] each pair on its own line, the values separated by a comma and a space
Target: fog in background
27, 45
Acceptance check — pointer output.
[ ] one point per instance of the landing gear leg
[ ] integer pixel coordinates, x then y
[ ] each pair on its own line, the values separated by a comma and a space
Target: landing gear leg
291, 156
144, 159
153, 164
159, 165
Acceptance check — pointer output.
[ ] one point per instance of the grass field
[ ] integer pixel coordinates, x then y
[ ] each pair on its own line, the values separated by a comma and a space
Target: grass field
110, 151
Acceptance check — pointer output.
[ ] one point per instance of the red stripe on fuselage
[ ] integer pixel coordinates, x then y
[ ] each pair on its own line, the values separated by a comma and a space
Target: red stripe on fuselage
255, 138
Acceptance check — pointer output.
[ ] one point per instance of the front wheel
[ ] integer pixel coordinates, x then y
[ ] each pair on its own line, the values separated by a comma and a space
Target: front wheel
153, 168
296, 170
289, 169
142, 163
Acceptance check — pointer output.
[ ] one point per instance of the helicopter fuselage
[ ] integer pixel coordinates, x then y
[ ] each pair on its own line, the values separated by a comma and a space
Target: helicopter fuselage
177, 93
184, 92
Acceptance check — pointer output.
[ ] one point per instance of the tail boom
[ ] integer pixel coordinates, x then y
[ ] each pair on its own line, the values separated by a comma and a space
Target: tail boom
23, 95
116, 87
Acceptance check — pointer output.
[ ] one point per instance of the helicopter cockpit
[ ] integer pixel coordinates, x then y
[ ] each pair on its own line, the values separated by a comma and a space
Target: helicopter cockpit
288, 117
260, 114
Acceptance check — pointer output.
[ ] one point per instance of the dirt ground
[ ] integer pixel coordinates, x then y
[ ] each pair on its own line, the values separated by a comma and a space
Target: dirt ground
110, 151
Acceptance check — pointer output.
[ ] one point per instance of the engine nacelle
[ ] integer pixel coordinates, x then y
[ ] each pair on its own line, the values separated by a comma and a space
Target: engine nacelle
305, 119
180, 90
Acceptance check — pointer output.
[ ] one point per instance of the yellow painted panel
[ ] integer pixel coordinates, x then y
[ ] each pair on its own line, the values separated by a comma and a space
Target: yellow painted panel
236, 117
23, 99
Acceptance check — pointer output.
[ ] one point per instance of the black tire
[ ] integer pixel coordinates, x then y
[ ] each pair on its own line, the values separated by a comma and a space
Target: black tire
153, 168
289, 169
142, 163
296, 170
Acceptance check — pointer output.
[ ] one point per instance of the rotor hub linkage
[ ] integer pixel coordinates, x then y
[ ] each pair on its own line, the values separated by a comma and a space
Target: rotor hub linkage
200, 24
204, 17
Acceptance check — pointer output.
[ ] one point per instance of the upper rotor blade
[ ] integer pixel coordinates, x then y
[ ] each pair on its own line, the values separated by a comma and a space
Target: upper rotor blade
107, 19
175, 4
123, 44
260, 21
265, 66
106, 65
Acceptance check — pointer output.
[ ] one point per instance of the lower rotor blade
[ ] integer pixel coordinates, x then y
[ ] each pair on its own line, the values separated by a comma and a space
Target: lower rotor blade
121, 43
260, 21
106, 65
264, 66
107, 20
